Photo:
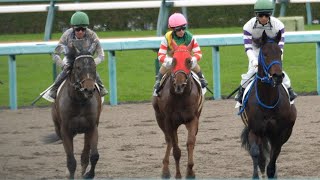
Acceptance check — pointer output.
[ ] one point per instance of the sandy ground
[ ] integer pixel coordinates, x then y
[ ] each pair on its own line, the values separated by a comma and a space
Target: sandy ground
131, 144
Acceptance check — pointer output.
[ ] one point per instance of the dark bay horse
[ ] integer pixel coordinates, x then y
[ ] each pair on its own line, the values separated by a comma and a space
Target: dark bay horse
268, 115
179, 102
77, 110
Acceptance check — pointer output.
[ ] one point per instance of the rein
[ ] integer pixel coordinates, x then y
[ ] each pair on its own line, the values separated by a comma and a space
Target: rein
181, 71
267, 78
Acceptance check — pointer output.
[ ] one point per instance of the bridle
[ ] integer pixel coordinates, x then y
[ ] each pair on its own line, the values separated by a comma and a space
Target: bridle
78, 84
267, 78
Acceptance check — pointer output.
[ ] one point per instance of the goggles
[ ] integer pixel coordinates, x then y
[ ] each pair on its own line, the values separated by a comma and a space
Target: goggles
264, 14
179, 28
80, 29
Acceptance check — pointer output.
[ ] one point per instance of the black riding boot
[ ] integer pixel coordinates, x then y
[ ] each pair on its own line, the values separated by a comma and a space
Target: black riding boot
292, 94
239, 96
203, 81
60, 78
156, 86
103, 90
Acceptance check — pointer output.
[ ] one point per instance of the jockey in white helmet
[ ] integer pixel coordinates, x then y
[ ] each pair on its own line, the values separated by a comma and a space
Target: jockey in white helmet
252, 30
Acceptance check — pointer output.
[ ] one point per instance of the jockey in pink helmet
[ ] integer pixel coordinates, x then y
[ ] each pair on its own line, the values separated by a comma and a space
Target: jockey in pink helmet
176, 20
177, 25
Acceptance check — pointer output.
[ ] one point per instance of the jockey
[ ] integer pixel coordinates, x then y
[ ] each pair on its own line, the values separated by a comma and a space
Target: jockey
252, 31
177, 24
89, 42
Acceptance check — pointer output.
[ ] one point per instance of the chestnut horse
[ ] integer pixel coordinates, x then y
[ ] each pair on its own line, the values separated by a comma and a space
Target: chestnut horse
268, 115
77, 110
179, 102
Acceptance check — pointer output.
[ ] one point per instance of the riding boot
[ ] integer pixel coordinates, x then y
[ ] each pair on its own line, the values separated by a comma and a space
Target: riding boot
103, 90
239, 96
156, 86
292, 94
60, 78
203, 81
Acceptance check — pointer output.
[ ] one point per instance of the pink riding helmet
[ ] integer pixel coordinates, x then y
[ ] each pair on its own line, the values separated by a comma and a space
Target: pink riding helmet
177, 19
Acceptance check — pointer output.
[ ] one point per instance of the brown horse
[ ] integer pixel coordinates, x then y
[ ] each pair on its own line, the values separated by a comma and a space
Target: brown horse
179, 102
77, 110
267, 112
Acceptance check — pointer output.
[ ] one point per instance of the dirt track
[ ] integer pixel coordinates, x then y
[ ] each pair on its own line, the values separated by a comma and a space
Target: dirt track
132, 146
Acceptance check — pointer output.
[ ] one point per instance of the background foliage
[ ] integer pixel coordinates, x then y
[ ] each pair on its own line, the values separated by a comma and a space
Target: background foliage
142, 19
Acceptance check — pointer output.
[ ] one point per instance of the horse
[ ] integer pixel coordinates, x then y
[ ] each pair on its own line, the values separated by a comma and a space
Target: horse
179, 102
76, 110
267, 113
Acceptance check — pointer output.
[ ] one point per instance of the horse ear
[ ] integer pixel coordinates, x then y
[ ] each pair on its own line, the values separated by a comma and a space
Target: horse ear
264, 37
174, 44
278, 37
190, 46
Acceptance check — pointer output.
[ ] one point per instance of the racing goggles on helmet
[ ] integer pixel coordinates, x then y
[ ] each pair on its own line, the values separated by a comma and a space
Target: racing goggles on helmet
179, 28
266, 14
80, 29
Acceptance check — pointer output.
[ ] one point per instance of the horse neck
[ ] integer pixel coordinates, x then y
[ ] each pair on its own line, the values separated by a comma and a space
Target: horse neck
267, 93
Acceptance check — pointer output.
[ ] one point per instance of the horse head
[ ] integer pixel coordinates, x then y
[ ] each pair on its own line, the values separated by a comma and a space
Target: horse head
181, 67
269, 62
84, 75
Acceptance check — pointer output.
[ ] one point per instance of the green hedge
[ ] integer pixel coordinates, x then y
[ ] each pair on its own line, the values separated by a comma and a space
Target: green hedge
114, 20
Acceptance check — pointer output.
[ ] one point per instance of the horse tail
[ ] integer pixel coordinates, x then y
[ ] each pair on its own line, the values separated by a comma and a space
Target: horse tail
51, 138
246, 145
244, 139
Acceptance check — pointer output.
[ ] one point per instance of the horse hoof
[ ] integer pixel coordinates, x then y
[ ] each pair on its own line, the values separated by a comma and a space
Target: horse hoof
191, 176
88, 175
166, 175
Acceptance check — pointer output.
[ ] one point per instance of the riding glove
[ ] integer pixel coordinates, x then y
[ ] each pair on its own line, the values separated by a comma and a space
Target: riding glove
167, 62
194, 62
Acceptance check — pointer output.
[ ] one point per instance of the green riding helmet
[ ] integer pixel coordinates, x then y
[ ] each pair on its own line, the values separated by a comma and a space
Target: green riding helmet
79, 19
263, 6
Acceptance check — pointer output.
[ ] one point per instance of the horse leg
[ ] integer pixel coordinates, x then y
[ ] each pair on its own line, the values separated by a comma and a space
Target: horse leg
85, 155
92, 137
271, 168
276, 144
192, 128
264, 151
165, 161
176, 153
68, 147
254, 153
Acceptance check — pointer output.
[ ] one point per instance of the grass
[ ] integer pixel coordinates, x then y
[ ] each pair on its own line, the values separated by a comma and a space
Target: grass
136, 70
